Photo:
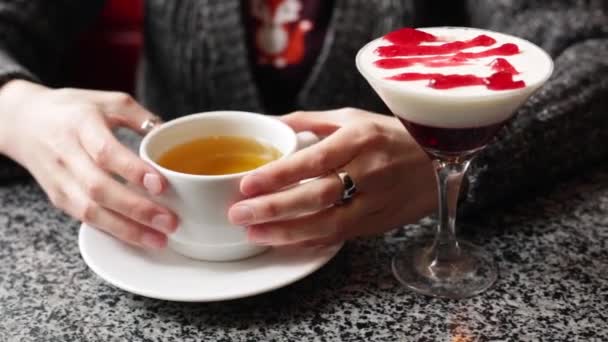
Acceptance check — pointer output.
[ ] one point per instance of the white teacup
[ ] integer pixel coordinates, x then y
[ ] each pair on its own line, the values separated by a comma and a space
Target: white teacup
202, 202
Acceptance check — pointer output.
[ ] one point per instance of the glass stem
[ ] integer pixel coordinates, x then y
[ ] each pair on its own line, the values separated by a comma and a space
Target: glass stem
449, 178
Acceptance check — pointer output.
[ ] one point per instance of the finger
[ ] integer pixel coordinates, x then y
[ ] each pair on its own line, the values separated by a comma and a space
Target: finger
375, 172
305, 198
310, 121
109, 154
66, 194
122, 109
325, 120
110, 194
329, 154
317, 243
368, 213
119, 226
336, 223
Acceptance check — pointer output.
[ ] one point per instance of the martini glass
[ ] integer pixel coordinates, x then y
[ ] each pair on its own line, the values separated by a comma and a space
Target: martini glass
451, 124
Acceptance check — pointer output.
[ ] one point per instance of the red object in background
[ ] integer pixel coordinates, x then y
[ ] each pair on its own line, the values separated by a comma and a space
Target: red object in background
108, 54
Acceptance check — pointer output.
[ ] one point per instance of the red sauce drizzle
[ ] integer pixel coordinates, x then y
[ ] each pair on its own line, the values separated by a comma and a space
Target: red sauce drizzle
407, 42
409, 36
443, 49
501, 80
508, 49
501, 64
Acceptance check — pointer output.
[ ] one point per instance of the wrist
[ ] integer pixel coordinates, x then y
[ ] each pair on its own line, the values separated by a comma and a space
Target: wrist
13, 94
15, 90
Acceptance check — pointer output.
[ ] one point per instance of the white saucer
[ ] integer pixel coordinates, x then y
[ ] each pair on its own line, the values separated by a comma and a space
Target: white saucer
169, 276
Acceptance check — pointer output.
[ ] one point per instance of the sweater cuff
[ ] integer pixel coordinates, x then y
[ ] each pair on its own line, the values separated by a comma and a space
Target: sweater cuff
10, 69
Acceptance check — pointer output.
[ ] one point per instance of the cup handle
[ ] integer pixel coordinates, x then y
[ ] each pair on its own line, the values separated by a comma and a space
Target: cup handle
306, 138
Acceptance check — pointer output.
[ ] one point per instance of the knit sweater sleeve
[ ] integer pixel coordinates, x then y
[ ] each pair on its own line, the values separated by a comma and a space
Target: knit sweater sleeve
34, 35
563, 128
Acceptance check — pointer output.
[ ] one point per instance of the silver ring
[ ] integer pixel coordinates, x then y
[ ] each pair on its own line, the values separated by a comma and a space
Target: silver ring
349, 188
149, 124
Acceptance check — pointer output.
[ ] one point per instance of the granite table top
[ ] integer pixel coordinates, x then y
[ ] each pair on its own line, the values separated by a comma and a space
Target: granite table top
552, 251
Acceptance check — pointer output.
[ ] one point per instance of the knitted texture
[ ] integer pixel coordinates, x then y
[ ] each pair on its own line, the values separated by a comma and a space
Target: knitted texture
196, 59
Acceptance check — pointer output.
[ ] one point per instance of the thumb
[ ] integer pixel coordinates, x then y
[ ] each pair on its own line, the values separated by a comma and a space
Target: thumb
311, 121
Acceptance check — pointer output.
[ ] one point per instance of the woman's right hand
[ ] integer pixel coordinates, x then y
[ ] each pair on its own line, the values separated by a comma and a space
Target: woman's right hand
64, 138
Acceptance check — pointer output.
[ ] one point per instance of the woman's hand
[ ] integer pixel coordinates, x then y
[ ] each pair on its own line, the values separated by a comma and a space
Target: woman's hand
64, 138
394, 178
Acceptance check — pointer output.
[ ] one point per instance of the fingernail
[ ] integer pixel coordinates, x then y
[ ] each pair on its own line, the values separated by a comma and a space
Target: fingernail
154, 241
258, 235
241, 215
152, 183
162, 222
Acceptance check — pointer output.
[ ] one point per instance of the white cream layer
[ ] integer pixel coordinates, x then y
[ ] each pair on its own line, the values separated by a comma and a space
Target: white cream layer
461, 107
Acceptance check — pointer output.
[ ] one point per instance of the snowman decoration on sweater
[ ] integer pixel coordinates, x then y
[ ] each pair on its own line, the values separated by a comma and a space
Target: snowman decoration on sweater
280, 32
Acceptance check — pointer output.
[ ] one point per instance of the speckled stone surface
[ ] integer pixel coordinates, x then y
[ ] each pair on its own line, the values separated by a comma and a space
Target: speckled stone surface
552, 252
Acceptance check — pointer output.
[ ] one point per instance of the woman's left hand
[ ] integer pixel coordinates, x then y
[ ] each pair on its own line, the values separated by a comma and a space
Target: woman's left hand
394, 179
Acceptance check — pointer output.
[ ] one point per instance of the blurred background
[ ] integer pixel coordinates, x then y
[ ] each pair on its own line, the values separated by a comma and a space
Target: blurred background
106, 56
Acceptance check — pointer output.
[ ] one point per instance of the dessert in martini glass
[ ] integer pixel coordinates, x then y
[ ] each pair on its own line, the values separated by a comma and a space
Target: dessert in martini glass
452, 88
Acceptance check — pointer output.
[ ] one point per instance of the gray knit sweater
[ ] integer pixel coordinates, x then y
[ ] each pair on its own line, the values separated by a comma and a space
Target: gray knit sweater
196, 59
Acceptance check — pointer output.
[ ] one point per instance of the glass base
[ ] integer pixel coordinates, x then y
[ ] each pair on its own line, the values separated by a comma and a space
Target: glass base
466, 274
